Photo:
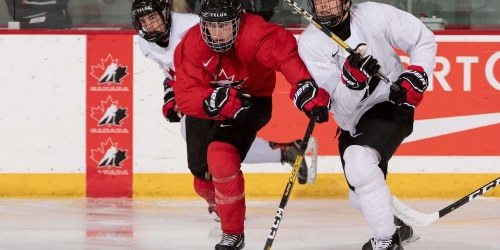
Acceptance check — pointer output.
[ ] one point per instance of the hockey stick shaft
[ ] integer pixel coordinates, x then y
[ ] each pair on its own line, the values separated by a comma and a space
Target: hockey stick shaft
469, 197
416, 218
289, 185
337, 39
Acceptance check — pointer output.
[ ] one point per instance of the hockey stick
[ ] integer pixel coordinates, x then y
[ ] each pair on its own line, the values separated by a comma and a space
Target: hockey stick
337, 39
312, 169
418, 219
289, 185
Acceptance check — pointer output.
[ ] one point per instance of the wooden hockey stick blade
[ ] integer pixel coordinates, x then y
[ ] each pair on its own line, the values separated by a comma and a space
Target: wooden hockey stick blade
418, 219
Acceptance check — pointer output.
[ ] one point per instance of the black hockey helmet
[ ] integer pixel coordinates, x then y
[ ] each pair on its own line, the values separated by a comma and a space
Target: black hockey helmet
329, 12
220, 23
152, 19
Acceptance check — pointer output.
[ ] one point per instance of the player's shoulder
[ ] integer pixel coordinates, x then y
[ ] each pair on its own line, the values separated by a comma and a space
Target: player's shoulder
371, 18
309, 32
144, 45
185, 19
254, 29
252, 19
192, 45
182, 22
313, 38
255, 25
369, 6
185, 16
192, 35
313, 42
371, 9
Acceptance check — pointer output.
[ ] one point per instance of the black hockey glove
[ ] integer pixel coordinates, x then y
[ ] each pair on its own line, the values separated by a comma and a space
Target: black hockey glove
170, 110
358, 70
311, 99
412, 82
226, 102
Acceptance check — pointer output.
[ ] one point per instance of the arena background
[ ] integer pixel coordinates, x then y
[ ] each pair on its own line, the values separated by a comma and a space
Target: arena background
53, 103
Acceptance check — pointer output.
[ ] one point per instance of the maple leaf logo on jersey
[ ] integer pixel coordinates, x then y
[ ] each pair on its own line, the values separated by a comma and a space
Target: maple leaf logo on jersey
109, 155
170, 72
109, 71
227, 81
109, 113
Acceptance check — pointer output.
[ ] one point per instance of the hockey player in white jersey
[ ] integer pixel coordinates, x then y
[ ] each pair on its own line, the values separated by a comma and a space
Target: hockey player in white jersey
160, 31
373, 119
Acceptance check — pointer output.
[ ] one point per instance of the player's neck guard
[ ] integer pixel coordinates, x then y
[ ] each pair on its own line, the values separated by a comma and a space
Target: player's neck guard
343, 29
163, 44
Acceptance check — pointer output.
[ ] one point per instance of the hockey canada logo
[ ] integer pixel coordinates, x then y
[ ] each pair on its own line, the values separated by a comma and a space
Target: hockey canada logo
109, 114
222, 79
109, 158
109, 72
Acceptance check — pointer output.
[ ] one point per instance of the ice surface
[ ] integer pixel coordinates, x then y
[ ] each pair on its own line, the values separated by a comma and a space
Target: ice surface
185, 224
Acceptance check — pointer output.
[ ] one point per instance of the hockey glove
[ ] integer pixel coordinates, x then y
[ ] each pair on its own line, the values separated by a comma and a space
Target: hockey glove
227, 102
170, 110
412, 82
358, 70
311, 99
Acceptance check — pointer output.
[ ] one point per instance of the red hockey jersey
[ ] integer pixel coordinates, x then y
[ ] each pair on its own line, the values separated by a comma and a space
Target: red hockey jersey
250, 65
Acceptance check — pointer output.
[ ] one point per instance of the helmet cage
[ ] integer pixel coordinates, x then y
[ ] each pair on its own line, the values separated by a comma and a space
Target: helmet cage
220, 23
220, 36
331, 13
158, 26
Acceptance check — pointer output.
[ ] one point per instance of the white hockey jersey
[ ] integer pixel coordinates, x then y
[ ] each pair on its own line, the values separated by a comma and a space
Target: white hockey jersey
181, 23
381, 27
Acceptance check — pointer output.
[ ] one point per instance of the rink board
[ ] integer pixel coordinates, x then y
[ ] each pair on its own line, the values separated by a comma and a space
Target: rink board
57, 140
257, 186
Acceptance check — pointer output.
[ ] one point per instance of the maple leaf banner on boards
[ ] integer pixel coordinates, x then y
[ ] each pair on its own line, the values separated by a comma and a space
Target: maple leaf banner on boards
109, 72
109, 116
459, 115
109, 156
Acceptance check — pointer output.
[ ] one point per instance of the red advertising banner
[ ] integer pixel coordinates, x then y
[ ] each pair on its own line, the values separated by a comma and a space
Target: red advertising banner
109, 116
459, 116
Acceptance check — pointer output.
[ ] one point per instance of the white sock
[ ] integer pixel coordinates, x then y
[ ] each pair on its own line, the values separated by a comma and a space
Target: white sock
261, 152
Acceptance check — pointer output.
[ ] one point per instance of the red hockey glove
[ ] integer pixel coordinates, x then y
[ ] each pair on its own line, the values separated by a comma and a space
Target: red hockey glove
170, 110
357, 70
412, 82
311, 99
227, 102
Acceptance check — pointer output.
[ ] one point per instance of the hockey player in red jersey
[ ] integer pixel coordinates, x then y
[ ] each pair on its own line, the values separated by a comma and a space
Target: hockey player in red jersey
160, 31
225, 78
